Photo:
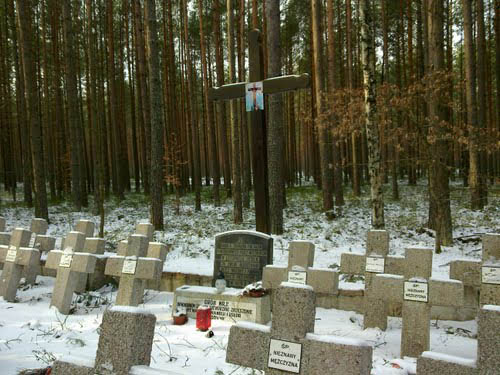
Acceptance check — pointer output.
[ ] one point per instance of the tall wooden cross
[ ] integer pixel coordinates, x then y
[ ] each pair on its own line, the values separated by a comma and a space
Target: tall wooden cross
258, 121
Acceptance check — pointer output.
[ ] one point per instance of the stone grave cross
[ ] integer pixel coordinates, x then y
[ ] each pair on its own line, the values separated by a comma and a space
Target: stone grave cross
133, 268
70, 264
374, 261
300, 270
488, 351
258, 121
290, 346
2, 224
418, 292
490, 270
17, 258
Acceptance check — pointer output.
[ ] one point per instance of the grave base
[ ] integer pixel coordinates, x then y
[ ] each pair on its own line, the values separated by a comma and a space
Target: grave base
229, 306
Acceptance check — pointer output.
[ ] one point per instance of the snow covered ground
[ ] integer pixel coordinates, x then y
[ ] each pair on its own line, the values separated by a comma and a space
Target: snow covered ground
32, 334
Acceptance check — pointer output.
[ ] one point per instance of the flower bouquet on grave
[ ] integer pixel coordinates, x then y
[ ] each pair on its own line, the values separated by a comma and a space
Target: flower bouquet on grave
255, 290
180, 316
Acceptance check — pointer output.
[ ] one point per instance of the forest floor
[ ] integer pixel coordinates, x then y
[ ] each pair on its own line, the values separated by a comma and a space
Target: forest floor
32, 334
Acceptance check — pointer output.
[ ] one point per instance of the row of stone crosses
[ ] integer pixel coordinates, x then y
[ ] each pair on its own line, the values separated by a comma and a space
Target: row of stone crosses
289, 345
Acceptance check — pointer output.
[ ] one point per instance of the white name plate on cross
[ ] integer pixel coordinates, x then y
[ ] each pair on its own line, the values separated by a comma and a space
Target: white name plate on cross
490, 275
11, 255
297, 277
375, 264
416, 291
284, 355
129, 266
66, 260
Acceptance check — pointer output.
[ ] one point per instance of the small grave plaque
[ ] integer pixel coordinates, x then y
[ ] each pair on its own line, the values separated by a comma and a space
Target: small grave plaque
490, 275
129, 266
66, 260
11, 255
284, 355
416, 291
297, 277
241, 256
221, 310
375, 264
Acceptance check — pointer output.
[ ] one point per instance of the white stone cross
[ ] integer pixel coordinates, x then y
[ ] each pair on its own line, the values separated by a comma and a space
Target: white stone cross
488, 351
418, 292
133, 267
70, 264
290, 346
300, 270
16, 260
374, 261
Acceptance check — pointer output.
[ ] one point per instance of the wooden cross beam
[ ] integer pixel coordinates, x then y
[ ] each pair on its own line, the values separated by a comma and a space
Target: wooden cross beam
258, 120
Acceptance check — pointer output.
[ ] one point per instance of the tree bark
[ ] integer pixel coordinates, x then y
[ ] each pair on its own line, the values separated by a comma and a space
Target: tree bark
157, 146
326, 165
27, 48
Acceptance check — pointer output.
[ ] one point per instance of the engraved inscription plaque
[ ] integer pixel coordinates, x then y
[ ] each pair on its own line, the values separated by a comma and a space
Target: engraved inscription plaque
241, 256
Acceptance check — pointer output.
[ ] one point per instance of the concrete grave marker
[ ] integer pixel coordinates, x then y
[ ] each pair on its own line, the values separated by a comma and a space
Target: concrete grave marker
300, 270
375, 260
2, 224
39, 226
290, 344
418, 292
145, 229
241, 255
488, 351
70, 264
16, 260
490, 270
125, 343
131, 288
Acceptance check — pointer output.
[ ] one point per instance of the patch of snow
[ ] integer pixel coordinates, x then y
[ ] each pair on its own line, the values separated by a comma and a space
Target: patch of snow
442, 279
254, 326
130, 309
252, 232
391, 276
336, 340
449, 358
491, 307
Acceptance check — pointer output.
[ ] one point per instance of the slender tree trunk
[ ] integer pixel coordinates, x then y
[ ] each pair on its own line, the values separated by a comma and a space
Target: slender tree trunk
481, 98
275, 133
372, 135
157, 146
438, 180
321, 125
209, 112
470, 77
27, 48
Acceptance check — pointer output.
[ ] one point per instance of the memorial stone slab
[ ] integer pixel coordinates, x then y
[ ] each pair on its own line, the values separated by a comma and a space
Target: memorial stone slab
290, 346
44, 244
228, 306
133, 268
241, 255
145, 229
125, 343
69, 264
16, 260
418, 292
39, 226
488, 351
300, 260
376, 260
490, 270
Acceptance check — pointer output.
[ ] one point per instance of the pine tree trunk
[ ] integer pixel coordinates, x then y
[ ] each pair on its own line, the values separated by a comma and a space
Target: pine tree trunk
470, 77
157, 146
275, 141
27, 48
209, 113
439, 189
326, 165
374, 167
